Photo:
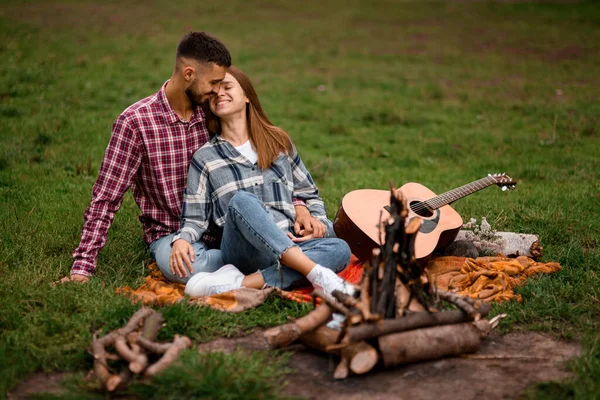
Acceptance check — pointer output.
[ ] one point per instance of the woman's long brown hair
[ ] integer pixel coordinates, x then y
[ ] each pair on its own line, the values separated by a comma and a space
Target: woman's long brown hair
267, 139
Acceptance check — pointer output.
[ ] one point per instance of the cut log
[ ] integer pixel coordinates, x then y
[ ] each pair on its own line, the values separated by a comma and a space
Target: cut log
429, 343
362, 357
321, 338
409, 322
509, 244
283, 335
358, 357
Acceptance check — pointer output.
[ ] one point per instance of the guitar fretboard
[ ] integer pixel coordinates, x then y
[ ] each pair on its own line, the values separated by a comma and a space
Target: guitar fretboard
460, 192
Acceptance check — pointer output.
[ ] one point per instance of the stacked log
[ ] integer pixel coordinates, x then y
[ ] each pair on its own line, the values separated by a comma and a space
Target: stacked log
395, 314
135, 345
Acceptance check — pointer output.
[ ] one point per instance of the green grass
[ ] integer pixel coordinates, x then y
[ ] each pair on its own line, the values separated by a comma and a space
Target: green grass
440, 93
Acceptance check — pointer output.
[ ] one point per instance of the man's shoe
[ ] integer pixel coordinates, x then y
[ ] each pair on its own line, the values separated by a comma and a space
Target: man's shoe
226, 278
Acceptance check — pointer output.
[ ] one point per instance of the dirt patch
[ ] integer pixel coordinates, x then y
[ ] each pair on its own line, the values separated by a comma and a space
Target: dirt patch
503, 367
40, 382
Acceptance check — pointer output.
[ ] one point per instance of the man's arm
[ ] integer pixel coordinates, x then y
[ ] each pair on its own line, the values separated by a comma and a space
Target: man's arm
119, 166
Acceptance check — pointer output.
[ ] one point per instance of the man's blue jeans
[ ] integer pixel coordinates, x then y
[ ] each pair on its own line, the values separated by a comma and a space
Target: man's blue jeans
253, 242
205, 260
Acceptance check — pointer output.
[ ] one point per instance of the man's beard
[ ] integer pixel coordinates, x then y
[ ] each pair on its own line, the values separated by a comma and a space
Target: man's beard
195, 97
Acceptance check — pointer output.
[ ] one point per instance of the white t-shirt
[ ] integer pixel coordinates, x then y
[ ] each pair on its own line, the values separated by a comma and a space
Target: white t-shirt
248, 152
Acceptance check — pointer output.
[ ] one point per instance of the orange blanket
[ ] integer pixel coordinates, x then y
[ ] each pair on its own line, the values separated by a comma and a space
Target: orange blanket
486, 278
157, 290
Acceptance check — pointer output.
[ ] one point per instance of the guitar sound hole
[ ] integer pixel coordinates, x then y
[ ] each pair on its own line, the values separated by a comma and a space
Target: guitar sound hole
419, 208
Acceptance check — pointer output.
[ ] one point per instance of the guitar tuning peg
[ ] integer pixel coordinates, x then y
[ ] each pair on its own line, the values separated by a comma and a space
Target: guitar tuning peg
504, 188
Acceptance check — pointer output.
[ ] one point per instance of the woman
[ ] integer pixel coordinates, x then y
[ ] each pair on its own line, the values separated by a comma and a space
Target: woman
243, 181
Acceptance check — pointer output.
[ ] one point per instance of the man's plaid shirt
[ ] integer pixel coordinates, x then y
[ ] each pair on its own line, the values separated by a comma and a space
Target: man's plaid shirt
150, 150
218, 171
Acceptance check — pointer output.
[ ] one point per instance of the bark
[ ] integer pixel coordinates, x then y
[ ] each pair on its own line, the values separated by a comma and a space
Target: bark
283, 335
118, 381
179, 344
467, 305
321, 338
407, 323
509, 244
153, 347
98, 346
137, 360
332, 303
429, 343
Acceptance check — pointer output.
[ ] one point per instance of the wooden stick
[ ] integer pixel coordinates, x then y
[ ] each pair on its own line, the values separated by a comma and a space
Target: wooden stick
342, 370
98, 350
153, 347
118, 381
346, 299
409, 322
365, 296
133, 323
283, 335
461, 302
332, 303
179, 344
137, 360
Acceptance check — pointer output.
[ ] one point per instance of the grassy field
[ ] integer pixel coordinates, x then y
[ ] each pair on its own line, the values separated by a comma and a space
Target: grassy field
440, 93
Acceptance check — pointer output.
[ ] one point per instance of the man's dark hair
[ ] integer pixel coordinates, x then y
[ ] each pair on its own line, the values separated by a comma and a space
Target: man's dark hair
203, 47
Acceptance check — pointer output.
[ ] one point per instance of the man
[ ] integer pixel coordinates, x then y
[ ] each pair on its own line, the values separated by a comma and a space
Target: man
150, 150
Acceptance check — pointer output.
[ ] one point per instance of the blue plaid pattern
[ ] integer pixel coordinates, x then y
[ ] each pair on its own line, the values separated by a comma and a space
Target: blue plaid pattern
218, 171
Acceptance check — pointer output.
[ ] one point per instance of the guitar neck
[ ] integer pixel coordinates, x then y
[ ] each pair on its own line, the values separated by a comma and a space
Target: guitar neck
458, 193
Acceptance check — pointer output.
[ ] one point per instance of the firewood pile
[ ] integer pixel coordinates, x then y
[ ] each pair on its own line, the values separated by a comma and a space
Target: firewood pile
395, 315
135, 346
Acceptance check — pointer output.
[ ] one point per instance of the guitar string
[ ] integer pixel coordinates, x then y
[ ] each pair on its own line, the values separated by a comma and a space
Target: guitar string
447, 197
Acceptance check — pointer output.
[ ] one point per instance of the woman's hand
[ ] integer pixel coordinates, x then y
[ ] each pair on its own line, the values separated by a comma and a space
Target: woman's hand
307, 225
182, 256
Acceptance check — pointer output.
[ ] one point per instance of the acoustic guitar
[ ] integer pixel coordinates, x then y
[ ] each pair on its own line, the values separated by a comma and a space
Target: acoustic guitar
357, 219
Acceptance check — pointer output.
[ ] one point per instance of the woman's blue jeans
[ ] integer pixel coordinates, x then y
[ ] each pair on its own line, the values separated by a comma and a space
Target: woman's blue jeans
205, 260
253, 242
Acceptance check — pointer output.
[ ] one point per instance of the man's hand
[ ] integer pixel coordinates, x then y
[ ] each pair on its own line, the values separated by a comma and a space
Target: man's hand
307, 225
182, 257
73, 278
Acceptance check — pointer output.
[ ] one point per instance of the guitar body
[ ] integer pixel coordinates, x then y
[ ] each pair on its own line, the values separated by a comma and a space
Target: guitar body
358, 218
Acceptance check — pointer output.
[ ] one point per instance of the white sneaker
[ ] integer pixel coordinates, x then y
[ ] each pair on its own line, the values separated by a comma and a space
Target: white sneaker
323, 278
226, 278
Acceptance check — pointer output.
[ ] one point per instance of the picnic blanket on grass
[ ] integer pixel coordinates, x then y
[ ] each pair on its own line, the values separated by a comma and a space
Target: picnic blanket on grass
486, 278
157, 290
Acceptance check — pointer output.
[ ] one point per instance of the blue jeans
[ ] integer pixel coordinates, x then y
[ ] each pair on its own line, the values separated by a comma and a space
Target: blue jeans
205, 261
253, 242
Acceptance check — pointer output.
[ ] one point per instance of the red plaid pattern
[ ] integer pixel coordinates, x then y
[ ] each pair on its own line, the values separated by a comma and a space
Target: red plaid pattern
150, 151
